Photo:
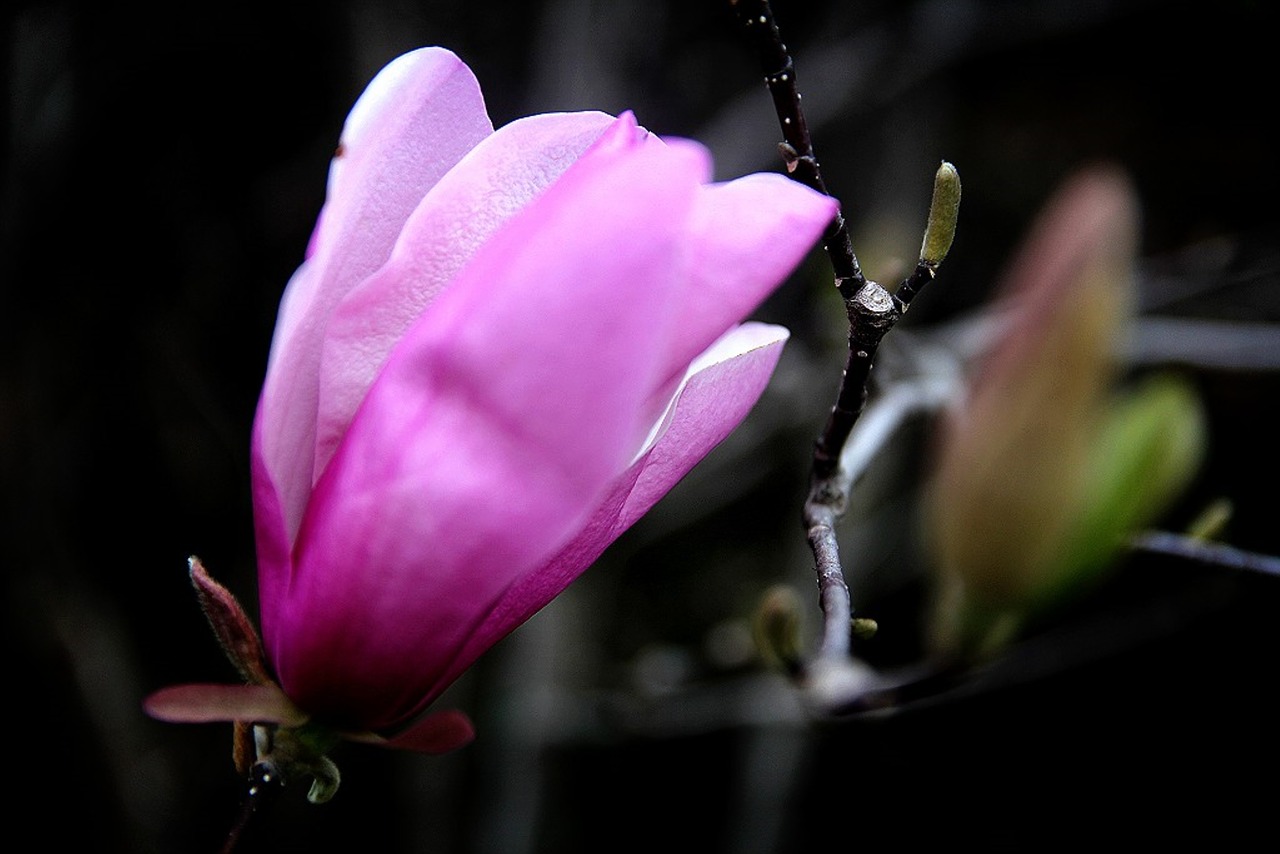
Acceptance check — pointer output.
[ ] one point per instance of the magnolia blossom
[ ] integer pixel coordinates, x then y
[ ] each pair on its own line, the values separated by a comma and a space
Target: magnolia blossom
502, 349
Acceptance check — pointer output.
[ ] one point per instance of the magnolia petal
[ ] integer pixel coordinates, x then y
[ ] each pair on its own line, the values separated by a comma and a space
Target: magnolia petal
200, 703
721, 387
436, 733
493, 429
747, 235
418, 117
498, 178
272, 539
718, 392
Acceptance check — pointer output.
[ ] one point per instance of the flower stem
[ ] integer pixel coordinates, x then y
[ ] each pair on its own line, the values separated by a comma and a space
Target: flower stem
264, 784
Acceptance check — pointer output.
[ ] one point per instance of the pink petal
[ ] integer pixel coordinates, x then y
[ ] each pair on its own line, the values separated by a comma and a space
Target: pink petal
718, 392
747, 236
436, 733
490, 434
418, 117
198, 704
720, 388
468, 205
274, 545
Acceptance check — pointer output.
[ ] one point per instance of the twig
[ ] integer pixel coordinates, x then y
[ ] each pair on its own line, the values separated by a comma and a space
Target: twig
797, 150
888, 412
1205, 553
872, 312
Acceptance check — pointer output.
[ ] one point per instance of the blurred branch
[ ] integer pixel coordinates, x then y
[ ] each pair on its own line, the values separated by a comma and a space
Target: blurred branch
933, 389
1205, 553
1227, 344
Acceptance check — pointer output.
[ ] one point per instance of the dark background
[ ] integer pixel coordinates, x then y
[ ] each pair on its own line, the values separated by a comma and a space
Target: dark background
161, 174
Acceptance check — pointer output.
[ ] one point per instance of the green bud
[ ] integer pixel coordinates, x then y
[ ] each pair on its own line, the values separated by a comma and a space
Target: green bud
944, 211
864, 628
1212, 520
777, 628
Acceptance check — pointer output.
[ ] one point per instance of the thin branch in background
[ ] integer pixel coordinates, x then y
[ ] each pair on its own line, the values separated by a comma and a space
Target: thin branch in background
1205, 553
872, 312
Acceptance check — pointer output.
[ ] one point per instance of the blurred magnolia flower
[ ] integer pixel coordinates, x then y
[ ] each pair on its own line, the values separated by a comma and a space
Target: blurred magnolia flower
1045, 470
502, 349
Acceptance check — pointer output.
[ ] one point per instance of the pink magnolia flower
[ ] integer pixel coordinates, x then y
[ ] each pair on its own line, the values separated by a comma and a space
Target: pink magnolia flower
502, 349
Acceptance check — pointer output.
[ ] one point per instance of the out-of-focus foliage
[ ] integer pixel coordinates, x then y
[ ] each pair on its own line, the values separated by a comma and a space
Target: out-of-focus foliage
1043, 471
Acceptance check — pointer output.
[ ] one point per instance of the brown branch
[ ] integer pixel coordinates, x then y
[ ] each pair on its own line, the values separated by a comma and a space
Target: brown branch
871, 309
797, 150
